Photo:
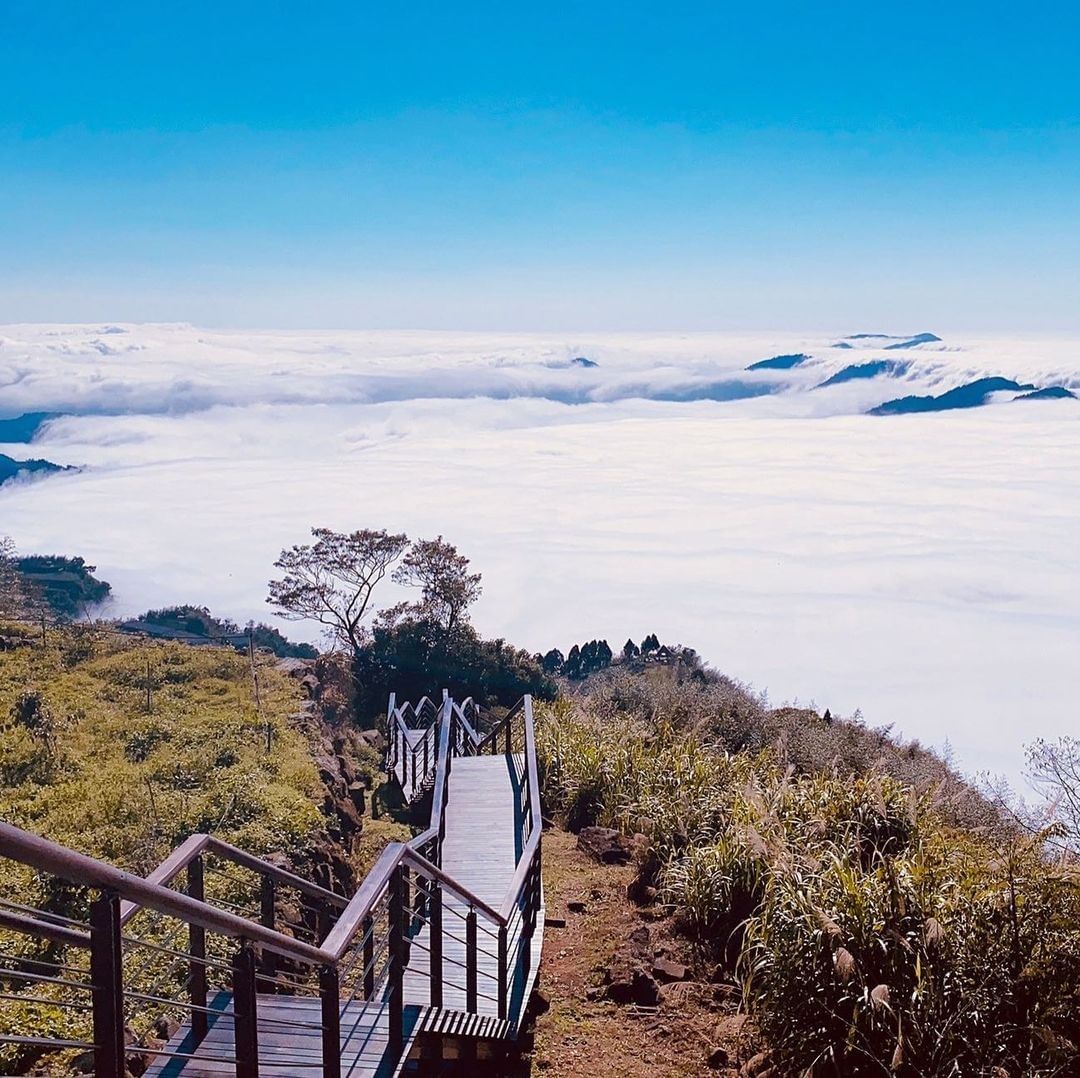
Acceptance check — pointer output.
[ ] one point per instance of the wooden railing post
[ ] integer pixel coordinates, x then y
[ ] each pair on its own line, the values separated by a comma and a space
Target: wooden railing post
509, 739
106, 976
396, 914
470, 961
330, 998
406, 912
197, 949
368, 929
267, 896
435, 912
245, 1012
503, 979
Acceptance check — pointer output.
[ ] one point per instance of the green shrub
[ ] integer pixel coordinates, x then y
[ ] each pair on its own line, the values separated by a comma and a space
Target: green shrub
871, 934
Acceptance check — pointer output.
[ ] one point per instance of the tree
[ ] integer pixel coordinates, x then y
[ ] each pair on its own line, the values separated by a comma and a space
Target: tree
1055, 770
19, 600
630, 651
552, 662
650, 644
331, 581
447, 588
572, 666
10, 587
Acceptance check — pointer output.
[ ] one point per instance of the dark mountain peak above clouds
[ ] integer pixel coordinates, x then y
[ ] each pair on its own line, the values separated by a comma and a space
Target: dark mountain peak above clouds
887, 341
22, 428
911, 342
12, 469
779, 363
967, 396
1048, 393
870, 369
583, 361
891, 337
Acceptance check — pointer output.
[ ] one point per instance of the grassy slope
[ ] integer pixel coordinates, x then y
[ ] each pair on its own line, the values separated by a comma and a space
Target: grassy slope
85, 762
889, 922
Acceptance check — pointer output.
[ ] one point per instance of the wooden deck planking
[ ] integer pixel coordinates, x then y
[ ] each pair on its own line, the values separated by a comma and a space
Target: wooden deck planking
480, 850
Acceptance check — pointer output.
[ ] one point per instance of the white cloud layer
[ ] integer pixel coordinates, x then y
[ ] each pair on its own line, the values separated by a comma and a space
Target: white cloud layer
922, 568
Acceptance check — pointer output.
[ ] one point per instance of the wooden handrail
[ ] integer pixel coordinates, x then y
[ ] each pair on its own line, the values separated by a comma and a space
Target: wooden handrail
390, 881
32, 926
46, 856
196, 845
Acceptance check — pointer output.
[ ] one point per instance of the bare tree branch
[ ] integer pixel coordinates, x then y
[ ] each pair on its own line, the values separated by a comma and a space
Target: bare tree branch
331, 581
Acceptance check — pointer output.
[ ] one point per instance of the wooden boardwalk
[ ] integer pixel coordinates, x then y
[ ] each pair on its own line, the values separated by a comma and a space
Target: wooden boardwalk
480, 851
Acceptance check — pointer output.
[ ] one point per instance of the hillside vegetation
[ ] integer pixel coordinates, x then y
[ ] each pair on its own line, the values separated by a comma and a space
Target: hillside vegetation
880, 917
121, 748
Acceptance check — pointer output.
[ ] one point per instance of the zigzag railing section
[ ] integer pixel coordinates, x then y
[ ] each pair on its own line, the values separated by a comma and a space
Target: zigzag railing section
214, 932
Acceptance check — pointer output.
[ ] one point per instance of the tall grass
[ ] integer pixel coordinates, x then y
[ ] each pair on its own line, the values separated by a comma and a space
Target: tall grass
870, 933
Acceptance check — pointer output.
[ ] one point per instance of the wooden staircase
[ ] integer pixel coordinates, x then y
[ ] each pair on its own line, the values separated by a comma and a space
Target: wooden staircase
441, 942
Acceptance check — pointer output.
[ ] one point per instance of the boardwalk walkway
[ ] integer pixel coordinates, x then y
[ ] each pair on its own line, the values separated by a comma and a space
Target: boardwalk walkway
469, 896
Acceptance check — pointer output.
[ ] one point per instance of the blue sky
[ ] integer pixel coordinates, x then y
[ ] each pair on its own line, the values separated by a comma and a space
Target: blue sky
558, 166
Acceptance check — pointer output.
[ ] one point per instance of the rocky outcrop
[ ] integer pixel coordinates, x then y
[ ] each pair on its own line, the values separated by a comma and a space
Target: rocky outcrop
337, 747
628, 977
606, 845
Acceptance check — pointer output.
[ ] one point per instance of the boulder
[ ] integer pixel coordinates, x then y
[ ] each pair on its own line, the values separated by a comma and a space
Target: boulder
667, 970
628, 977
604, 844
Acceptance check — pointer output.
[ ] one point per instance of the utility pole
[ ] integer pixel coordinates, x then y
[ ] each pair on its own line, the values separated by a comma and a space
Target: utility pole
255, 690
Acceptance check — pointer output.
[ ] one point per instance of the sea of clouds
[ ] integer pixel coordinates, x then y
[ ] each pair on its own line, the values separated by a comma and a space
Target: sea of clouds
922, 568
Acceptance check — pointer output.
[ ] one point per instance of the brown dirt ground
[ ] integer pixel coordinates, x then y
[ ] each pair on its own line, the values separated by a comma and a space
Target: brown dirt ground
581, 1038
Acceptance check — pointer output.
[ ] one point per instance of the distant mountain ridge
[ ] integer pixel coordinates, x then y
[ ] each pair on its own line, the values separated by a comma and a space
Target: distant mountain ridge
11, 468
966, 396
870, 369
780, 363
23, 428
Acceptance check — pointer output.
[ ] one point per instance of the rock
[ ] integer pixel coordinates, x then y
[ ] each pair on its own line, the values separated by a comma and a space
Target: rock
576, 906
718, 1058
667, 970
540, 1003
604, 844
294, 667
165, 1027
374, 739
642, 888
636, 986
595, 993
628, 977
730, 1027
554, 922
755, 1066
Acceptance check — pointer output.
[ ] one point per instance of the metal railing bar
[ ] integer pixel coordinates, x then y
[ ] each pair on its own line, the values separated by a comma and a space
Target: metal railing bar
45, 915
172, 1054
43, 1042
41, 978
384, 1002
212, 963
147, 997
285, 982
54, 963
48, 1002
